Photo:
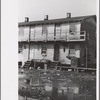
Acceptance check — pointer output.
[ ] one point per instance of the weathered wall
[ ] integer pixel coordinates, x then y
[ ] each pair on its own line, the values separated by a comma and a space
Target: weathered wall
38, 32
23, 56
89, 25
35, 51
25, 52
65, 53
24, 33
62, 56
64, 29
20, 57
42, 31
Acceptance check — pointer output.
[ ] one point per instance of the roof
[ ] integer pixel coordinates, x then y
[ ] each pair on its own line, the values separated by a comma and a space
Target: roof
51, 21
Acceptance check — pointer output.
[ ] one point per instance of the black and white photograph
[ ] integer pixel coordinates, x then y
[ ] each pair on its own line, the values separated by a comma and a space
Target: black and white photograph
57, 50
52, 50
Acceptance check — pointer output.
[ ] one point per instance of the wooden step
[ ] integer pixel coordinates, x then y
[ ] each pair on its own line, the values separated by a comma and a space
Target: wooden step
27, 64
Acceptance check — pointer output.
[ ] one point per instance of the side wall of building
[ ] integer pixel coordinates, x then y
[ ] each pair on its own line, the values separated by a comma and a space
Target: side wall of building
89, 25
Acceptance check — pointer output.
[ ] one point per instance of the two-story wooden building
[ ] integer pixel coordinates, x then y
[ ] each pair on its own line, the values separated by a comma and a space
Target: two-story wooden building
68, 42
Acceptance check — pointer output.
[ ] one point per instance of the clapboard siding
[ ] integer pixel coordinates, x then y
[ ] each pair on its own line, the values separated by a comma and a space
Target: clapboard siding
89, 26
35, 35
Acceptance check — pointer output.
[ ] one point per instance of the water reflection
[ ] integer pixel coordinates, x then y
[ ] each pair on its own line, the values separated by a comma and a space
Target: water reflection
64, 86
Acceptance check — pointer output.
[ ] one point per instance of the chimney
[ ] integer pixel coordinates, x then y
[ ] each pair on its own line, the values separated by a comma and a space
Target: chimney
46, 17
26, 19
68, 15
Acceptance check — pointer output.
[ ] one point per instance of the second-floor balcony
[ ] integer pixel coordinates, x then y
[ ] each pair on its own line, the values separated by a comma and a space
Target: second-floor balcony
69, 37
22, 38
77, 37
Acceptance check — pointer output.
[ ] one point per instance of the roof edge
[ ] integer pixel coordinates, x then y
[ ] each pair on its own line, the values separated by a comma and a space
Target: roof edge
60, 20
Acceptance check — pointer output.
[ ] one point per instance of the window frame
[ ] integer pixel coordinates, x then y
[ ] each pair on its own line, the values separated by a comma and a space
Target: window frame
44, 50
72, 29
72, 48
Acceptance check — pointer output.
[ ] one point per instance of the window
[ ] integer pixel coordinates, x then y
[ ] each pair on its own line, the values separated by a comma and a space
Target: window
57, 30
20, 48
44, 29
50, 29
72, 29
44, 50
38, 30
24, 46
21, 31
71, 50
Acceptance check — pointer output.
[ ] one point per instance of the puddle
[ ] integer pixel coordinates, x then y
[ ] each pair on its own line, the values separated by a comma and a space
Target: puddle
66, 86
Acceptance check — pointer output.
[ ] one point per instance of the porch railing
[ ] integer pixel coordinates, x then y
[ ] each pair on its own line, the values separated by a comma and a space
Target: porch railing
72, 36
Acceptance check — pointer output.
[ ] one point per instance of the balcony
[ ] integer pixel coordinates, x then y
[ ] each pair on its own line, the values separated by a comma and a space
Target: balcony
71, 37
38, 38
77, 37
57, 38
80, 36
24, 39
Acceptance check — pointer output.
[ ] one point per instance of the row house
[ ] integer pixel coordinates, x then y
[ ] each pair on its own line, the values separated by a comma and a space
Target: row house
66, 42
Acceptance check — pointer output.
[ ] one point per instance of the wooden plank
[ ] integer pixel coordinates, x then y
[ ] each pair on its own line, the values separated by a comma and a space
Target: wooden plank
77, 68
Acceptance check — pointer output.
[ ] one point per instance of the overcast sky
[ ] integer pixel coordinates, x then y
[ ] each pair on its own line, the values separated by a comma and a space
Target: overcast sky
36, 9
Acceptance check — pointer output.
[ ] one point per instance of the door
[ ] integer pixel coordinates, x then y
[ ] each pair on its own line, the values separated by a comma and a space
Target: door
56, 52
32, 52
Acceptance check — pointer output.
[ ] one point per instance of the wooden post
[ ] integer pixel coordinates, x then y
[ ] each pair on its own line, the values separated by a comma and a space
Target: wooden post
34, 65
45, 66
70, 94
29, 43
86, 56
55, 32
74, 63
25, 97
